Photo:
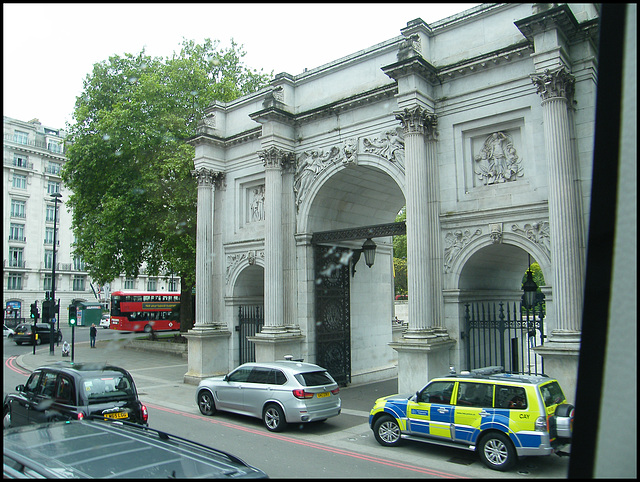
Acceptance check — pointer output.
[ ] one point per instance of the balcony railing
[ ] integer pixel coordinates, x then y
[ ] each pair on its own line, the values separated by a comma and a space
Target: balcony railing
39, 144
22, 165
13, 263
22, 239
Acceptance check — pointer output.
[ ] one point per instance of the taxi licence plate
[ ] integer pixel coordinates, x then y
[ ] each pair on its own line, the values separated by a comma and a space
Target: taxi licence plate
116, 415
322, 395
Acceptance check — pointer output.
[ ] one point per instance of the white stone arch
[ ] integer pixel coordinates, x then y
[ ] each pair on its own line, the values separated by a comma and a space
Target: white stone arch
539, 254
236, 269
392, 169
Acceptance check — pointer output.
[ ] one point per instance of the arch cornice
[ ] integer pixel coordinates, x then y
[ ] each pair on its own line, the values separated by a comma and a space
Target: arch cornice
511, 238
394, 170
238, 261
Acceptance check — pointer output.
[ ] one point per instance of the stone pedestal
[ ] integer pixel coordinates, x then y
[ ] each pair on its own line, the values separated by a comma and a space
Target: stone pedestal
208, 352
561, 362
274, 346
420, 360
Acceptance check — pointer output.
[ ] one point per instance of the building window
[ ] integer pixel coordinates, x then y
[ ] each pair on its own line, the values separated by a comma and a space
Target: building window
78, 283
48, 235
48, 259
15, 281
53, 168
173, 285
51, 212
17, 232
15, 257
21, 137
54, 146
152, 284
47, 283
78, 264
17, 208
19, 181
19, 160
53, 187
129, 283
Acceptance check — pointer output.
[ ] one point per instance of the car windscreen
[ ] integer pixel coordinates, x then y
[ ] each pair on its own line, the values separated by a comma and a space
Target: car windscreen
312, 379
105, 386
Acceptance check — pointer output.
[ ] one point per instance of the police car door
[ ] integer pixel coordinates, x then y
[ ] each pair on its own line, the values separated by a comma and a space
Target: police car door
474, 405
431, 412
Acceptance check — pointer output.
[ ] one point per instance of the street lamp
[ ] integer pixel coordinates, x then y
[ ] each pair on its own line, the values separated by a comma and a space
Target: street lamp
369, 250
56, 198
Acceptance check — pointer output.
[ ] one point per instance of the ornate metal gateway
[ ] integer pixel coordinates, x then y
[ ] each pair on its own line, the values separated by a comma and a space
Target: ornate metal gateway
250, 322
333, 319
505, 337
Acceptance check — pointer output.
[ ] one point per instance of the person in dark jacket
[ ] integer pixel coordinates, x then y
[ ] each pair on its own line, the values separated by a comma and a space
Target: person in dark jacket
93, 331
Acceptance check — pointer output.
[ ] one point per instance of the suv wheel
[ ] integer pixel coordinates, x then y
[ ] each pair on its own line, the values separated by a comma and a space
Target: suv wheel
273, 418
205, 403
497, 451
387, 431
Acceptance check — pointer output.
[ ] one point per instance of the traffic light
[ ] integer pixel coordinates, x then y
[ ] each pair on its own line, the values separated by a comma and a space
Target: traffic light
73, 314
34, 310
47, 310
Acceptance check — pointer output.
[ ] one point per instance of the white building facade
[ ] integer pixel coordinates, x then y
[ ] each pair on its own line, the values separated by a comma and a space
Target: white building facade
33, 157
480, 124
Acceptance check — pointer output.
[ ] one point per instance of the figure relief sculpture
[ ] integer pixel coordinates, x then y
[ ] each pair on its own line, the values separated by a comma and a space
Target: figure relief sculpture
256, 204
455, 241
311, 163
537, 232
390, 146
498, 160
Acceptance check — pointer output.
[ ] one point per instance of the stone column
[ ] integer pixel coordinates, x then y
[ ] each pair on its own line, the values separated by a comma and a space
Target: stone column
565, 217
275, 340
273, 246
208, 340
561, 351
425, 270
423, 350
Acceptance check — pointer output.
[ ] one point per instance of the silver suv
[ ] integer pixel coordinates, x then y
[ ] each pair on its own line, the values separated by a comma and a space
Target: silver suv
278, 392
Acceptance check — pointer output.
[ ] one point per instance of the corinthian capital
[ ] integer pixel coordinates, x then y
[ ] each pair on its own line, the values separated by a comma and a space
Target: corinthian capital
207, 177
274, 157
418, 121
556, 83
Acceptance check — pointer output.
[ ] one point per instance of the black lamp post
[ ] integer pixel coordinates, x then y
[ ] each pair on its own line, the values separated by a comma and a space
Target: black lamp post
530, 289
56, 198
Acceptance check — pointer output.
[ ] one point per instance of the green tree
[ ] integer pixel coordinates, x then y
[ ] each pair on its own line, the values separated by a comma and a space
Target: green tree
129, 166
400, 258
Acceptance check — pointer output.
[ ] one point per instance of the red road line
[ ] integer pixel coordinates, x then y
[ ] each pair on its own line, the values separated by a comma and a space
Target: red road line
313, 445
11, 365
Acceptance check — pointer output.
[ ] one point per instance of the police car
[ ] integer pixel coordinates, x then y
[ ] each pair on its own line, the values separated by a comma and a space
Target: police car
499, 415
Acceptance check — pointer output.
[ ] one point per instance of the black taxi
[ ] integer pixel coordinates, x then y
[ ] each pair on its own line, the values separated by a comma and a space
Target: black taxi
63, 391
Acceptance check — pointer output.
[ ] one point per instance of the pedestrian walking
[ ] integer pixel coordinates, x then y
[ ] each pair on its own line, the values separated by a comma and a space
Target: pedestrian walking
93, 331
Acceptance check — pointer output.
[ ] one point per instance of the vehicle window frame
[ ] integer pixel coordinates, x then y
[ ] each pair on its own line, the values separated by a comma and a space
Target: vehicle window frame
470, 394
71, 398
35, 376
301, 377
506, 397
449, 384
45, 384
240, 375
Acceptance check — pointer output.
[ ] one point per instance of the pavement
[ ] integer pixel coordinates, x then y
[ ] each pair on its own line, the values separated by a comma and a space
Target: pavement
159, 376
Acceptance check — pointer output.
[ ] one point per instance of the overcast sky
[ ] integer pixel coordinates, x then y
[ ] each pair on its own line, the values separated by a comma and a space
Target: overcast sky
50, 48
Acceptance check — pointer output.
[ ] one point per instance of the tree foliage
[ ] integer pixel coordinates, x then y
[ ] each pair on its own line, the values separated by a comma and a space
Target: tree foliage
400, 258
129, 167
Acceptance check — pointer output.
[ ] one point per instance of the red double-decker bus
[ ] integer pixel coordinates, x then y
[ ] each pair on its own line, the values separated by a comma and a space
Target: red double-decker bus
143, 311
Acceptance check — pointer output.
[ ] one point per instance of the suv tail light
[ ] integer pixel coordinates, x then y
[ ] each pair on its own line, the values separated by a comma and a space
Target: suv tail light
80, 415
145, 413
336, 391
541, 424
301, 394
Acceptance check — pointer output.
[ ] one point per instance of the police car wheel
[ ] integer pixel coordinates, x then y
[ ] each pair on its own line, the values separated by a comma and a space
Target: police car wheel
497, 451
387, 431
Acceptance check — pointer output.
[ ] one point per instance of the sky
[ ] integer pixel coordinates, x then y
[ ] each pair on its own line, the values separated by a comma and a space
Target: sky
49, 49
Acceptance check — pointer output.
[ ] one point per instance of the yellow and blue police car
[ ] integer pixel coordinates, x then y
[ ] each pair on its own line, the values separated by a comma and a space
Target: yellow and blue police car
499, 415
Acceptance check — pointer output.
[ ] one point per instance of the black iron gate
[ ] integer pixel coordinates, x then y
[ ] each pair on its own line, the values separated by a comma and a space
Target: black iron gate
251, 320
505, 337
333, 318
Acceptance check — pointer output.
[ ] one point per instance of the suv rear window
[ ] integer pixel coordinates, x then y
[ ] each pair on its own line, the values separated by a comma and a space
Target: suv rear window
311, 379
511, 397
551, 394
